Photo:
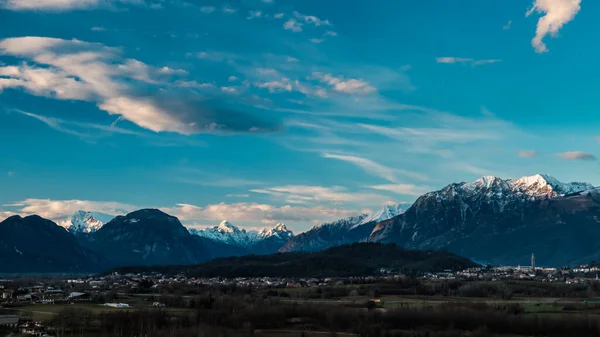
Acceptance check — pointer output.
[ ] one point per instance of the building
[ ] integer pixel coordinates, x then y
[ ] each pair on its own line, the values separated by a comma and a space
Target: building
117, 305
11, 321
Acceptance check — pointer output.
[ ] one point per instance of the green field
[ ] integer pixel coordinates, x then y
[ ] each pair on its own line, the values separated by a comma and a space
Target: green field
44, 312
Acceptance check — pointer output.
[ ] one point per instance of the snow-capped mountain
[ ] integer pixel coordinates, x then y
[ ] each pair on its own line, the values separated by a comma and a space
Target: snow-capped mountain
500, 220
279, 231
536, 186
86, 222
347, 230
230, 234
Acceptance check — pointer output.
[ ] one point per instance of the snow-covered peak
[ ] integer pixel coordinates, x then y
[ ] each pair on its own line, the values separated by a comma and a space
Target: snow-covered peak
280, 231
231, 234
544, 182
226, 227
86, 222
385, 213
538, 185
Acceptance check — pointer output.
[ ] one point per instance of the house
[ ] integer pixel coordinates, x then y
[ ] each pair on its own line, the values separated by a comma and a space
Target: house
6, 294
79, 296
11, 321
117, 305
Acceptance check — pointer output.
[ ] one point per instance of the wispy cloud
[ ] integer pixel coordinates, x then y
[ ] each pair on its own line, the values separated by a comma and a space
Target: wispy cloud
469, 168
376, 169
527, 154
507, 25
304, 194
293, 25
464, 60
60, 5
92, 72
310, 19
404, 189
93, 131
346, 86
576, 155
60, 210
254, 14
255, 212
207, 9
199, 177
556, 13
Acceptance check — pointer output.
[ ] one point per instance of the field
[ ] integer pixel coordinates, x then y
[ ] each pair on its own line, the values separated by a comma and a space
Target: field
45, 312
401, 308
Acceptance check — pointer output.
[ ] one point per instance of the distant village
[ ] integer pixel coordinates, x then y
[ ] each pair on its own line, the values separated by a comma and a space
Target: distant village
104, 290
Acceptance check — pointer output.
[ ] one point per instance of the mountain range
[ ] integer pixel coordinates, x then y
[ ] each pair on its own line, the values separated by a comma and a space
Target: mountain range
343, 231
489, 220
498, 221
263, 241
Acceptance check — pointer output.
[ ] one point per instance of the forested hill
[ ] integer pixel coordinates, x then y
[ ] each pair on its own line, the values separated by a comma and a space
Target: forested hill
359, 259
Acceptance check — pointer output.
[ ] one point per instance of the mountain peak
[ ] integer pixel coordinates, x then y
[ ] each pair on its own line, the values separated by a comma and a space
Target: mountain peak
537, 185
279, 231
86, 222
227, 227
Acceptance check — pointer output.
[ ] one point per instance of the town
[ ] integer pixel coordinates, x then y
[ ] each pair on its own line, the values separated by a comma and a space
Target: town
28, 303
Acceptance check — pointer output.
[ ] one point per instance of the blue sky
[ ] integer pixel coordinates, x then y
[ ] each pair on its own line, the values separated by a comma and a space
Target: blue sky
287, 111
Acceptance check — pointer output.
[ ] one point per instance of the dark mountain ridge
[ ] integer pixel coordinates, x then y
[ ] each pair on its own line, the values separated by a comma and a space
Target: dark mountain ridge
35, 244
147, 237
359, 259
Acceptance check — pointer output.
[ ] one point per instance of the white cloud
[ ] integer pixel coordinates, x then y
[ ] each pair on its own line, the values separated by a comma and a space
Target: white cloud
228, 10
293, 25
316, 41
86, 71
527, 154
456, 133
56, 5
576, 155
229, 90
207, 9
310, 19
255, 212
279, 15
330, 33
97, 29
232, 79
238, 195
276, 86
254, 15
346, 86
305, 194
507, 25
82, 130
470, 168
170, 71
61, 5
405, 189
195, 85
556, 14
291, 59
464, 60
60, 210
